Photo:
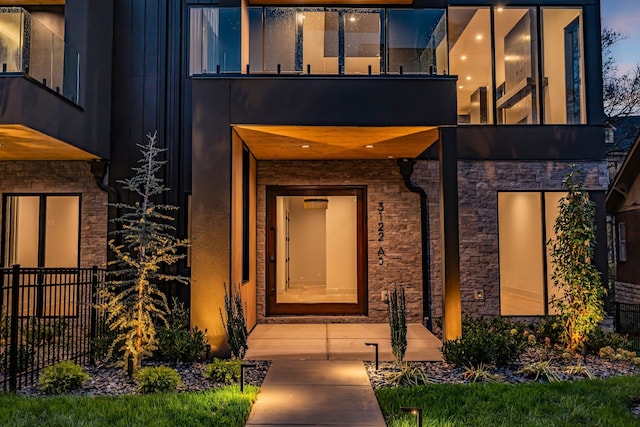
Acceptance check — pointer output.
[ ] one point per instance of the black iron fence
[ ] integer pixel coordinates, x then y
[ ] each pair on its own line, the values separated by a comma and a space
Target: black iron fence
46, 315
627, 318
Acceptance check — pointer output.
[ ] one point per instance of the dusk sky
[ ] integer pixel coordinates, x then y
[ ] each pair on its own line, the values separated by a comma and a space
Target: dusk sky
624, 15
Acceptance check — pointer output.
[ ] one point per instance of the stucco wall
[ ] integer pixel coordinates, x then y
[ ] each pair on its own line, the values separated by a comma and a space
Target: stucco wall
64, 177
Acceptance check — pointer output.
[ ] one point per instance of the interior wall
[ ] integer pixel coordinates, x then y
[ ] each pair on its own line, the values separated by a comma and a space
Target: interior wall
341, 245
307, 243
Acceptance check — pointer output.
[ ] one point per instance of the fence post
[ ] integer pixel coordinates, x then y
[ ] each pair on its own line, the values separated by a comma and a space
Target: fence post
94, 314
13, 341
616, 326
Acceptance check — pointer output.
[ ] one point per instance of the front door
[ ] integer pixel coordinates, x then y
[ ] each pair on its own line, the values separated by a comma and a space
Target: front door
316, 250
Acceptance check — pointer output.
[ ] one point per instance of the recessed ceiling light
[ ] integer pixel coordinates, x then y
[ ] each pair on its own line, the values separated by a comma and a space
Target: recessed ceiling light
352, 19
305, 146
479, 37
463, 57
500, 9
468, 77
369, 146
390, 157
460, 87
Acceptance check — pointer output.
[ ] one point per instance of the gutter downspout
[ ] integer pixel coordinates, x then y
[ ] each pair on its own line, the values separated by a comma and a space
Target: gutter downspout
99, 169
406, 170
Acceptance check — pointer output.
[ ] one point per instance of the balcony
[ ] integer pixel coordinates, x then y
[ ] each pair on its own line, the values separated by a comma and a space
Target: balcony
28, 47
317, 41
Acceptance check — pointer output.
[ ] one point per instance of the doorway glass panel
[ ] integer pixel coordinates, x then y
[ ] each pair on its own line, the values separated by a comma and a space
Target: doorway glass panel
316, 249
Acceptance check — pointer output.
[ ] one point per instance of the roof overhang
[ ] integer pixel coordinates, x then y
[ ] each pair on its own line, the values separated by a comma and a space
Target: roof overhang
18, 142
270, 142
32, 2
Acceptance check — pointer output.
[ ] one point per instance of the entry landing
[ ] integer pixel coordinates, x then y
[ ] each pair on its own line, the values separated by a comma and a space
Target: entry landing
338, 341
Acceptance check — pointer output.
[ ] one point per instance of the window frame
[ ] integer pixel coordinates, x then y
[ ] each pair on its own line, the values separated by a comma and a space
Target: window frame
42, 224
622, 242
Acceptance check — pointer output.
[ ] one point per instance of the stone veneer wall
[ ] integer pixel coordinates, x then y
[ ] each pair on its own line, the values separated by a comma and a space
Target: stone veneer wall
627, 293
64, 177
401, 217
478, 185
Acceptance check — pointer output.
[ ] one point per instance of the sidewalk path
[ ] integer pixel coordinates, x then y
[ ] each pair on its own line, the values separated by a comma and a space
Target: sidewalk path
316, 393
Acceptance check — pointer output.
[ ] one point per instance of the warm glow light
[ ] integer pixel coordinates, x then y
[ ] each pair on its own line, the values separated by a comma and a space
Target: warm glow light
460, 87
390, 157
500, 9
305, 146
352, 19
463, 57
369, 146
479, 37
468, 77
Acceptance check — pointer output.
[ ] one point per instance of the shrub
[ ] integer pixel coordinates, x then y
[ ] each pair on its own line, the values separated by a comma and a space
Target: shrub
181, 345
619, 354
548, 329
409, 376
62, 378
26, 357
397, 323
540, 369
176, 342
234, 322
598, 339
497, 341
223, 371
157, 379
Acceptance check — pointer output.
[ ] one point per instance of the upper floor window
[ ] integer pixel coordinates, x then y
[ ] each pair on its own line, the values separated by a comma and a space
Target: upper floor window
526, 78
318, 41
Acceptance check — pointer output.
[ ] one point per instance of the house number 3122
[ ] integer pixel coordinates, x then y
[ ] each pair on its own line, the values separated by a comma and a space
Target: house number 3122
380, 232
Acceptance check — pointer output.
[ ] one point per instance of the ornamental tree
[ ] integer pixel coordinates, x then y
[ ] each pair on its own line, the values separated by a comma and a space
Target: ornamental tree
146, 243
579, 302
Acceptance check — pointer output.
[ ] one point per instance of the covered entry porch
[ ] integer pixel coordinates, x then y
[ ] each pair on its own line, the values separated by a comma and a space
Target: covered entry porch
338, 341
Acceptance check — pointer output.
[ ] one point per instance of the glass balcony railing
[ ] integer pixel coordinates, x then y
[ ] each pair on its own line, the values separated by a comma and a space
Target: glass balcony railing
318, 41
28, 47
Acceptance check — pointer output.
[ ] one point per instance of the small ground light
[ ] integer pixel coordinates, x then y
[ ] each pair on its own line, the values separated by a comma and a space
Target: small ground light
242, 366
374, 345
414, 411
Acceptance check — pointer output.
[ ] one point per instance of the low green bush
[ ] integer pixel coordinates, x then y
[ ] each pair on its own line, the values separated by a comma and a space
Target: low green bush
181, 345
62, 378
158, 379
495, 341
599, 339
223, 371
548, 330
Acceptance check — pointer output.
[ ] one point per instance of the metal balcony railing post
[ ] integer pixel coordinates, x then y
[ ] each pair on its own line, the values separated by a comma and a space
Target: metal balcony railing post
13, 341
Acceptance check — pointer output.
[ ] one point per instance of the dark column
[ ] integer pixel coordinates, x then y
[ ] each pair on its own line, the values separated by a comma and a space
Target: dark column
452, 310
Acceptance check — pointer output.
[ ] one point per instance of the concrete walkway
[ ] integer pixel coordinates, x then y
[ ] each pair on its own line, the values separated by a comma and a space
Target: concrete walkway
316, 393
317, 377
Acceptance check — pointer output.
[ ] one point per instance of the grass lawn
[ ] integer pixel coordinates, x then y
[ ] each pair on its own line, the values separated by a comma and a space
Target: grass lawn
581, 403
219, 407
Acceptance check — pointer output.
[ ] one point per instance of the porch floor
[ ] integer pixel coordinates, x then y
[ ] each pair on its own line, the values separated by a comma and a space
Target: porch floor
337, 341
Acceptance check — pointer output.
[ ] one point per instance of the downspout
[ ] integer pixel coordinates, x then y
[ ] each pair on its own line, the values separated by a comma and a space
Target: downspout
406, 170
99, 169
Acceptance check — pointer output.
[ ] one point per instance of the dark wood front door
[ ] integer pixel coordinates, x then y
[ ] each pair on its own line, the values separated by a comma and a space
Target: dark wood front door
316, 244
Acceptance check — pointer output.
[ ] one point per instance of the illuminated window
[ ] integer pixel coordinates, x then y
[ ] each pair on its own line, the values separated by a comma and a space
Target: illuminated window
525, 222
513, 75
41, 230
622, 242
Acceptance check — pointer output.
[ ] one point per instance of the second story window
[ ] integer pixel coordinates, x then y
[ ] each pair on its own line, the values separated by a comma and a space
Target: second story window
527, 77
304, 40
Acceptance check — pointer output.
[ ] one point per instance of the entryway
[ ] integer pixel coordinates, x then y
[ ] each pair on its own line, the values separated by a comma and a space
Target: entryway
338, 341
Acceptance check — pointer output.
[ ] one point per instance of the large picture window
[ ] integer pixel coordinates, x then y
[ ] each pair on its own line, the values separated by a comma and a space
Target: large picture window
41, 230
510, 74
525, 223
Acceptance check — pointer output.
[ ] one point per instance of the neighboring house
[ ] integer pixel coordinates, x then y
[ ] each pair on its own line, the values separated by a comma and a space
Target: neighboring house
324, 152
620, 133
623, 202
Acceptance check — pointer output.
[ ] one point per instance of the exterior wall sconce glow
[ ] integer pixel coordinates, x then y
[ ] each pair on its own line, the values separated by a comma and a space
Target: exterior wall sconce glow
242, 367
375, 346
414, 411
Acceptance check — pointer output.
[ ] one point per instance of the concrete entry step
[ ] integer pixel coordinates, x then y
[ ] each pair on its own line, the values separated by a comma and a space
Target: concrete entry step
316, 393
337, 341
